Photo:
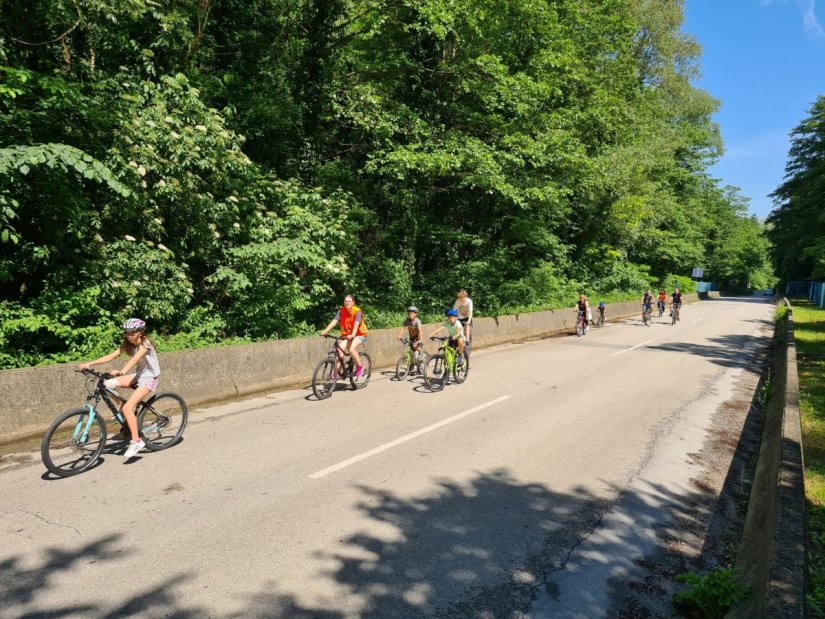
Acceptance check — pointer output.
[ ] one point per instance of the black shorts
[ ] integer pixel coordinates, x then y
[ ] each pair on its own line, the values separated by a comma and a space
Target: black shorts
464, 321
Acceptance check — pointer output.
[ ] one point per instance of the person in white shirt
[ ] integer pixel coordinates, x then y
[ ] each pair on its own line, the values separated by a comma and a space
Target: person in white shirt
464, 306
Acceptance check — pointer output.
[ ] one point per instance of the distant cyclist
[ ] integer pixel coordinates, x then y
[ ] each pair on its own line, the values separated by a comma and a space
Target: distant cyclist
455, 332
464, 306
647, 303
353, 331
583, 307
602, 309
676, 301
414, 328
662, 301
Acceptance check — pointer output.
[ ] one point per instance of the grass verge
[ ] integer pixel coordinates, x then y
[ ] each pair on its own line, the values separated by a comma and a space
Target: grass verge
809, 332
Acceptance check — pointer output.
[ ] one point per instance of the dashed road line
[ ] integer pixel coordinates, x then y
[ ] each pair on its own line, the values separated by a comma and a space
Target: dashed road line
404, 439
631, 348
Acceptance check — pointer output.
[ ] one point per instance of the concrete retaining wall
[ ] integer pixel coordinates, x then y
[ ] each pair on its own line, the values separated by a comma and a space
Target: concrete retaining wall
772, 553
30, 398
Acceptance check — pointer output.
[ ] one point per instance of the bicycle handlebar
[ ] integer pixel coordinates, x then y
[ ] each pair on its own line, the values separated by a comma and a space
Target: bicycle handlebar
439, 338
91, 372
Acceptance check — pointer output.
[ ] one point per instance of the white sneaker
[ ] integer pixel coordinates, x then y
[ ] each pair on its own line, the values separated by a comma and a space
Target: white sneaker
133, 449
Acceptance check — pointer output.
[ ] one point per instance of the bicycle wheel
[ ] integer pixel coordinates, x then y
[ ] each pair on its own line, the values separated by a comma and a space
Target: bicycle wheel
402, 366
647, 319
579, 328
461, 371
162, 420
674, 316
360, 383
435, 372
323, 379
72, 444
601, 320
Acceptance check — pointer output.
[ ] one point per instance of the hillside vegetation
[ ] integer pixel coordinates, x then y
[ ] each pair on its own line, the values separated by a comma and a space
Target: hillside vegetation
228, 169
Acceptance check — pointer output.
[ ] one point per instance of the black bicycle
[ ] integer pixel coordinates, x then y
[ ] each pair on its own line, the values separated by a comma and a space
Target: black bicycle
646, 312
75, 440
581, 323
674, 312
339, 365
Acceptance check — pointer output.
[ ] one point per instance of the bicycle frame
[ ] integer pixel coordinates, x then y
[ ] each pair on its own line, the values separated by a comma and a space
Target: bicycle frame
340, 356
450, 354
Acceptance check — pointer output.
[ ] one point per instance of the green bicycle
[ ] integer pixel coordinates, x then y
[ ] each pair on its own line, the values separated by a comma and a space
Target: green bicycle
443, 363
411, 360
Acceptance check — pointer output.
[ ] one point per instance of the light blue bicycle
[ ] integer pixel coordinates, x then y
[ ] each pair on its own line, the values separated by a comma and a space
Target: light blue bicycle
75, 440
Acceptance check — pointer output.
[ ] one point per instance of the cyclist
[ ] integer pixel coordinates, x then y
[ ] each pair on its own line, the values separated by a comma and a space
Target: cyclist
647, 303
676, 300
662, 301
143, 358
602, 309
415, 330
353, 331
455, 332
464, 306
583, 307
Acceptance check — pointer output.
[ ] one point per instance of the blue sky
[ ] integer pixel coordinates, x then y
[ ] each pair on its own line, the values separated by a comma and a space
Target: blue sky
765, 60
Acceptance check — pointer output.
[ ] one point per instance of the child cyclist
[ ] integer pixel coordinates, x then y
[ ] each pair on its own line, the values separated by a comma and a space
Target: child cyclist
662, 299
415, 330
143, 359
455, 331
353, 331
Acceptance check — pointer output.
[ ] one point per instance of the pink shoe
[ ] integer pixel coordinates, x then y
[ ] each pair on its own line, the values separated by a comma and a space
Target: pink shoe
359, 372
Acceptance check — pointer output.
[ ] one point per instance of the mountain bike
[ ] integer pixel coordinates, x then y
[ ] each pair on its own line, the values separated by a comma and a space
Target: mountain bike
443, 363
646, 311
339, 365
581, 323
75, 440
674, 312
601, 319
411, 360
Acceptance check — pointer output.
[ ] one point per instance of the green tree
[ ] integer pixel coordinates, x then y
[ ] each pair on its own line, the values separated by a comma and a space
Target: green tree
798, 219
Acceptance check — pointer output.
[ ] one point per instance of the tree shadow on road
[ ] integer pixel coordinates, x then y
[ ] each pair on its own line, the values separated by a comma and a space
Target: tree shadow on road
487, 546
731, 351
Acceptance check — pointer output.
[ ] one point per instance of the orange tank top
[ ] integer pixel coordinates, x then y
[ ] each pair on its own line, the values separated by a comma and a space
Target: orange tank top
348, 321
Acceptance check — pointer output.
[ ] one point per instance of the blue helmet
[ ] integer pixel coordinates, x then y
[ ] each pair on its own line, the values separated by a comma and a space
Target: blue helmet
601, 303
451, 312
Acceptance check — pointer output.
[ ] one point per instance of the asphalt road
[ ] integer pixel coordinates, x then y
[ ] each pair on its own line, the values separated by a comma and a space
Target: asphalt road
528, 490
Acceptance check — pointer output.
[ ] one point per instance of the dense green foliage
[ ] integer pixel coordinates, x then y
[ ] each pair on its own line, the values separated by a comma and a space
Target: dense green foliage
229, 169
798, 221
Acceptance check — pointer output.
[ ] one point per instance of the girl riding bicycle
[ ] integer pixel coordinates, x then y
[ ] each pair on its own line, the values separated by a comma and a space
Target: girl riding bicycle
353, 330
143, 358
583, 307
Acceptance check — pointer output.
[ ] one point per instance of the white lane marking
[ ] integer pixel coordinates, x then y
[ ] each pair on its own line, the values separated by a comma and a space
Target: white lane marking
631, 348
404, 439
697, 320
